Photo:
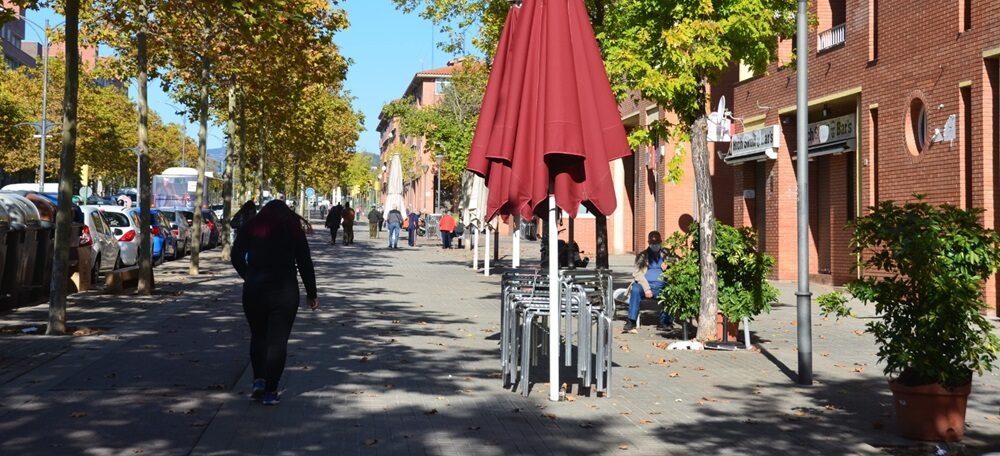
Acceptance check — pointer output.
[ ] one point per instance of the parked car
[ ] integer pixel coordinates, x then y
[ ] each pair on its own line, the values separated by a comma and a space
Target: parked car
126, 231
213, 227
180, 228
105, 252
164, 242
206, 233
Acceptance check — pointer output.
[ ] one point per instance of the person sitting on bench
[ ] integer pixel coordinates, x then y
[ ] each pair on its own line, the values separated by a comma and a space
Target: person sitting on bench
649, 267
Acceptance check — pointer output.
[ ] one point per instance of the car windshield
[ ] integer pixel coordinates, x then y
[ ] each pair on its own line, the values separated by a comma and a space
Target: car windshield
117, 219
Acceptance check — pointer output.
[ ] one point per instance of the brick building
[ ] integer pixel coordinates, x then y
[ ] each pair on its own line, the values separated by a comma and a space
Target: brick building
426, 89
16, 51
903, 99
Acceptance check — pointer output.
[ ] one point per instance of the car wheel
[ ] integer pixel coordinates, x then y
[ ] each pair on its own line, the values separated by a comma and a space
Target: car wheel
118, 263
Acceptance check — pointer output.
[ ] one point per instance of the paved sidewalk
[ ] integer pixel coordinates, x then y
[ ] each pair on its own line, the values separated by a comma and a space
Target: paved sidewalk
403, 358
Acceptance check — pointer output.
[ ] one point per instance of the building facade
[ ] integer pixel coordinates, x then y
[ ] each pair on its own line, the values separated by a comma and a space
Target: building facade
425, 89
890, 116
16, 51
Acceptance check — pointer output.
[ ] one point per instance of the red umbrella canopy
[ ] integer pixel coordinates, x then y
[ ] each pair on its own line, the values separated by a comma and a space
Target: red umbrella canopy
549, 120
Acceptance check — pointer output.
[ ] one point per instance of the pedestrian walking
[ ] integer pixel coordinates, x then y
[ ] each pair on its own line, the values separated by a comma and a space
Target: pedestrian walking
647, 276
395, 220
413, 222
266, 254
348, 217
373, 219
447, 227
333, 220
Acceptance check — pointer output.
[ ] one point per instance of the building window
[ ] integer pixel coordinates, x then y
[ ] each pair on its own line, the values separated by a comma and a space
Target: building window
965, 14
873, 30
832, 16
440, 85
916, 126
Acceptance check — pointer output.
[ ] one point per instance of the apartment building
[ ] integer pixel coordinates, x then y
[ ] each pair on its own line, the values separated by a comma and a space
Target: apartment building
425, 89
903, 99
16, 51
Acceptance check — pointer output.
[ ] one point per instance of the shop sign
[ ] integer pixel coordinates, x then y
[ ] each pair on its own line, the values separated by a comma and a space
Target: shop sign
837, 129
763, 141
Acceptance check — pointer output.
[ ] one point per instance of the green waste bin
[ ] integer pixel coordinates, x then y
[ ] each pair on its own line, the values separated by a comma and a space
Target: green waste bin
22, 248
4, 227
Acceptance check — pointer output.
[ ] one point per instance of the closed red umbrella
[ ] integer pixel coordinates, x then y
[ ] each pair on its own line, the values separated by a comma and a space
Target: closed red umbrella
549, 126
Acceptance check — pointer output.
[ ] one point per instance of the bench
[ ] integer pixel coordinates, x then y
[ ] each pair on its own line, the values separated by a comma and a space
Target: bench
120, 279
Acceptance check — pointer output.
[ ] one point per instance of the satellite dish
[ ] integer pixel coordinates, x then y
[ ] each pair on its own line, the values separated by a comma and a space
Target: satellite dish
719, 125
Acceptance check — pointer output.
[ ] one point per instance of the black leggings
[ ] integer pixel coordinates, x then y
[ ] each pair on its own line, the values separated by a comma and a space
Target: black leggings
270, 307
333, 234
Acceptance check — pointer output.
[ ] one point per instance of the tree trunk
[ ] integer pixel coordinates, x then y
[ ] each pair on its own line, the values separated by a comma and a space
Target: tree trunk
706, 236
67, 165
260, 164
145, 242
227, 189
241, 172
602, 241
202, 154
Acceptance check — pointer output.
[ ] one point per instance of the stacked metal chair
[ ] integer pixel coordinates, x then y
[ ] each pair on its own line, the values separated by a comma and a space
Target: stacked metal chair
586, 296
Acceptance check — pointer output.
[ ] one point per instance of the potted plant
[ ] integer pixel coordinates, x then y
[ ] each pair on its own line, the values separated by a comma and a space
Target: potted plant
744, 291
926, 269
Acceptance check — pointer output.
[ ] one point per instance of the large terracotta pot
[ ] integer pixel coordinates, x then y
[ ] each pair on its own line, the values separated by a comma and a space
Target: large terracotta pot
733, 328
930, 412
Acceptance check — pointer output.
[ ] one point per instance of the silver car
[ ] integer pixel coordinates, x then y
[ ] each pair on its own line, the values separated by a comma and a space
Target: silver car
125, 226
180, 228
105, 252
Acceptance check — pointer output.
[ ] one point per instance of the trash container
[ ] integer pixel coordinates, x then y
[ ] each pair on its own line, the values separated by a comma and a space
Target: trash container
22, 246
4, 227
45, 251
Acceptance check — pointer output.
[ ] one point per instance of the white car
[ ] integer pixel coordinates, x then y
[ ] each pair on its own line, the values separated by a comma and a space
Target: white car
125, 226
105, 252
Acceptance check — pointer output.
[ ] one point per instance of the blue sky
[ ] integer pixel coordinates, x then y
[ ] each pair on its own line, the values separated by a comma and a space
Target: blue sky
386, 45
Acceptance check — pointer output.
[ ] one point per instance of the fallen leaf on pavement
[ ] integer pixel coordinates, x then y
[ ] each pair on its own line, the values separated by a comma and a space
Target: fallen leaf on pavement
859, 332
661, 345
586, 425
77, 414
371, 442
645, 421
431, 412
858, 369
623, 447
674, 375
570, 398
624, 348
551, 416
474, 428
824, 354
364, 359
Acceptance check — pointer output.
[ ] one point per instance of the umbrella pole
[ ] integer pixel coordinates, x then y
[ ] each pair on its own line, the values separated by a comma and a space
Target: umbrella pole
569, 243
486, 253
516, 262
475, 247
553, 301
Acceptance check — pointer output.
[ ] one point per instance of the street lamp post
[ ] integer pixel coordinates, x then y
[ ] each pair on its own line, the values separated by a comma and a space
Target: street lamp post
43, 125
440, 158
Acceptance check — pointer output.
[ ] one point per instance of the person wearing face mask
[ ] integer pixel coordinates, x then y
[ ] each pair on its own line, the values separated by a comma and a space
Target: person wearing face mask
649, 266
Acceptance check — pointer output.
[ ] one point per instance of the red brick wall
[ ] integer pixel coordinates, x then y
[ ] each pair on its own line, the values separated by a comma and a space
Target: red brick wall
922, 52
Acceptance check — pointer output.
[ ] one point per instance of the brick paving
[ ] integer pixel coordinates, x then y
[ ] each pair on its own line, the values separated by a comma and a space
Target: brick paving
403, 359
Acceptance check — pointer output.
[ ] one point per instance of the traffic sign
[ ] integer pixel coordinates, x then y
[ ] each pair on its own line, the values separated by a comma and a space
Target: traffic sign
310, 192
85, 192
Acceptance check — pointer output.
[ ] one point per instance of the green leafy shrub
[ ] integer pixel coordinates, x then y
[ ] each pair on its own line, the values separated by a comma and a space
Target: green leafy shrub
834, 303
744, 291
932, 263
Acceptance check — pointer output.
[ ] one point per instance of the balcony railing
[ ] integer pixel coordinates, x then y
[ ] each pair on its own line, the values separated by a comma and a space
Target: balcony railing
830, 38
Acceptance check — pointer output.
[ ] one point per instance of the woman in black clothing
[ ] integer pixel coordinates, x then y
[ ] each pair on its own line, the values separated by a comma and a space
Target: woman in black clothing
266, 253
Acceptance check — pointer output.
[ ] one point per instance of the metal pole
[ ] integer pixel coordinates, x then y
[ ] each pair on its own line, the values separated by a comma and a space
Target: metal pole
45, 105
486, 252
803, 295
184, 141
553, 301
516, 262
